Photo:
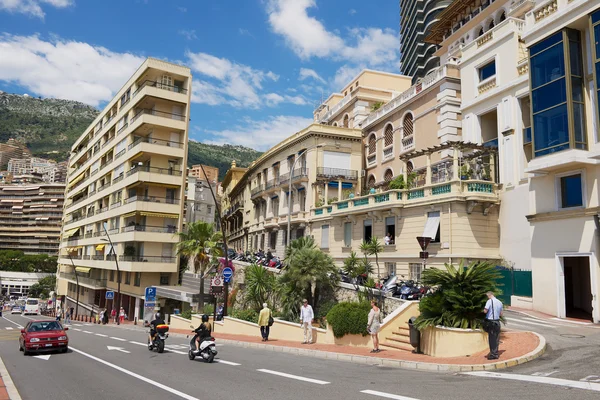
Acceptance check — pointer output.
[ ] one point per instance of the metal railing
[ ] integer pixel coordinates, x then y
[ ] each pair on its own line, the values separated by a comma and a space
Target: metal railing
164, 114
155, 170
325, 172
159, 85
149, 228
156, 259
160, 142
152, 199
297, 173
257, 190
85, 280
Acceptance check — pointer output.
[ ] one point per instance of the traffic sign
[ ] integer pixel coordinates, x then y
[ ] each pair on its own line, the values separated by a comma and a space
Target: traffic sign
150, 294
216, 281
149, 305
227, 274
110, 295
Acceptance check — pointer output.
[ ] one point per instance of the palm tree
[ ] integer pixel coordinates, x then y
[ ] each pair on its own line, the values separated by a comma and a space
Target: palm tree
201, 244
260, 284
355, 268
309, 272
375, 248
460, 295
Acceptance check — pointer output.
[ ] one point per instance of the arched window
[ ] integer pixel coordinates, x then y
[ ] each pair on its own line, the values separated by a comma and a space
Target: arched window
491, 25
408, 130
346, 121
371, 182
409, 167
480, 33
388, 176
372, 144
335, 124
502, 17
388, 135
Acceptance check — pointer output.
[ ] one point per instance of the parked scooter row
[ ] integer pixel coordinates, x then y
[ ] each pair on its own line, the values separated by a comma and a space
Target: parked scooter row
406, 290
260, 258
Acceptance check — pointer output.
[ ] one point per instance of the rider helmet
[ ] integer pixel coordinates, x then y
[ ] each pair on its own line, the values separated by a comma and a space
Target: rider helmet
204, 318
157, 315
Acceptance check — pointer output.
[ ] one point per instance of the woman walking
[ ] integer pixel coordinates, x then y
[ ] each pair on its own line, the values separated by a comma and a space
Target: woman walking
121, 315
374, 325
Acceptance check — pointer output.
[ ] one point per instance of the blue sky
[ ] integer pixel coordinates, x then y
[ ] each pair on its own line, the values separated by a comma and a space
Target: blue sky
260, 66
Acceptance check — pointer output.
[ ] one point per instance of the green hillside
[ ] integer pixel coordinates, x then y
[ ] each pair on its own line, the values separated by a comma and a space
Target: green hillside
50, 126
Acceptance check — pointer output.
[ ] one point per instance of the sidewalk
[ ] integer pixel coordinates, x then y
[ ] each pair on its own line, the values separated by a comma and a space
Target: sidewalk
8, 391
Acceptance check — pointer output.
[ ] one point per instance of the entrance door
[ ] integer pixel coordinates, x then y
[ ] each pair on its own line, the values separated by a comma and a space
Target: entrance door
578, 288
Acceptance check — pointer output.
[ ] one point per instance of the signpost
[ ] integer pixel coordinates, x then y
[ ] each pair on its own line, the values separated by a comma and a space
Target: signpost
149, 304
227, 274
216, 285
150, 294
110, 295
424, 242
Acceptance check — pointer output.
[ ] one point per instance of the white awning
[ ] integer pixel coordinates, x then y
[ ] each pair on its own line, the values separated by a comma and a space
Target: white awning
432, 224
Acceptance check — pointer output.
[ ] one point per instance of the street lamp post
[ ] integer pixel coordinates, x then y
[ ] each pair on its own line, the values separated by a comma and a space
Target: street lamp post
112, 250
76, 280
289, 213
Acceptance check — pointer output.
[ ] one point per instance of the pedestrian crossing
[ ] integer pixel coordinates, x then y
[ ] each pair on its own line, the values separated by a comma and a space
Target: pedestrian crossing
517, 321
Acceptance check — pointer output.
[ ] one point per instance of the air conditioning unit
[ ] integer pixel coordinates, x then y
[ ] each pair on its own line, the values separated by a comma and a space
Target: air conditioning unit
363, 173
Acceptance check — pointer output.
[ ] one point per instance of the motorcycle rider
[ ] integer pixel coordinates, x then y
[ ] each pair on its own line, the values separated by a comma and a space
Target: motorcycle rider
156, 321
203, 331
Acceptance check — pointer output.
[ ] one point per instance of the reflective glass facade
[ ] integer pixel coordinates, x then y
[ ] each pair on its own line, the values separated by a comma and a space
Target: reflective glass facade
557, 97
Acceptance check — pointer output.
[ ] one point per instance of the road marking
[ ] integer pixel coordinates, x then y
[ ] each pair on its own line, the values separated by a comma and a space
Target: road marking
227, 362
175, 351
387, 395
43, 357
87, 332
118, 338
572, 322
122, 350
544, 373
76, 329
139, 344
137, 376
13, 393
100, 334
77, 325
595, 387
299, 378
9, 328
529, 323
13, 322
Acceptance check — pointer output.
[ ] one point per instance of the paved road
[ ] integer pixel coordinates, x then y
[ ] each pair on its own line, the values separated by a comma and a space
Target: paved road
91, 371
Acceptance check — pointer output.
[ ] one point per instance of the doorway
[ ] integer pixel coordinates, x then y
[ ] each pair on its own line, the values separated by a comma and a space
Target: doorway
578, 288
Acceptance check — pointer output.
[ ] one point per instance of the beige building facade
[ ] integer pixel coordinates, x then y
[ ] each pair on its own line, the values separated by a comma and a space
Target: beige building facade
125, 191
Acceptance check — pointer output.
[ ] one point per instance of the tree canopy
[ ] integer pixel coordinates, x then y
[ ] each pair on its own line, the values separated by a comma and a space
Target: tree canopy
17, 261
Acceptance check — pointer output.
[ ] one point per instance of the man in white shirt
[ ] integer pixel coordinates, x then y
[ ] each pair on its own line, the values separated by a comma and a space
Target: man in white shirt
306, 318
493, 312
387, 240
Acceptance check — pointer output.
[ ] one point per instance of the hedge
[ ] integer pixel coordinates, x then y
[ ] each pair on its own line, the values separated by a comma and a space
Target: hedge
349, 318
249, 315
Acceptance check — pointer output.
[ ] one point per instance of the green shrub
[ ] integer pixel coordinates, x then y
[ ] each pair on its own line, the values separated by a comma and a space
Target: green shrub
209, 309
187, 314
324, 309
349, 318
397, 183
249, 315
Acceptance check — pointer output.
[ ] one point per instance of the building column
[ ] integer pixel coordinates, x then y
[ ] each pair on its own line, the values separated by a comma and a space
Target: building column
405, 171
326, 193
315, 194
428, 174
136, 313
340, 190
493, 167
455, 166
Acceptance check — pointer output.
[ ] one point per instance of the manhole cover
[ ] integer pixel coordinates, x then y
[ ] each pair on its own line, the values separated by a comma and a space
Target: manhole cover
572, 336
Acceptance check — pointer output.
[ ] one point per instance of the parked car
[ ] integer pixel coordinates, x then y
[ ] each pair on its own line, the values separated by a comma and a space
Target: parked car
43, 335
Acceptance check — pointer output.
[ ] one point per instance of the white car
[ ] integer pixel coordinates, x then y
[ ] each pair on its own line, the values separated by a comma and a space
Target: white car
15, 310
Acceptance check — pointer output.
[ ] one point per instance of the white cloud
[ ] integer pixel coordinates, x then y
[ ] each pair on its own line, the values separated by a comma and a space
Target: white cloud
344, 74
352, 11
188, 34
245, 32
310, 73
308, 37
182, 9
32, 7
260, 135
65, 69
226, 82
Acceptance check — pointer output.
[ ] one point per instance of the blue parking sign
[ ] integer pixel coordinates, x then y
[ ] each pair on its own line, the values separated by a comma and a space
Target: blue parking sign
150, 294
110, 295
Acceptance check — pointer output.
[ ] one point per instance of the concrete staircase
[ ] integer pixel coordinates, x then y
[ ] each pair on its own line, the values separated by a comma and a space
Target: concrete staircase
399, 339
188, 291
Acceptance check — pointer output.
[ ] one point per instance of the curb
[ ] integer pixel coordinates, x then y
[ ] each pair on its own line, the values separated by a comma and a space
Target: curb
387, 362
11, 389
422, 366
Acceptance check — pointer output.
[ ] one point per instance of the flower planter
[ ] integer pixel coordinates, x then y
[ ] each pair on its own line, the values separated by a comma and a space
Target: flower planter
453, 342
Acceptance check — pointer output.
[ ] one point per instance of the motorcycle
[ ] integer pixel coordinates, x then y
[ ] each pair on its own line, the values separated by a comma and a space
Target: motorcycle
158, 343
208, 349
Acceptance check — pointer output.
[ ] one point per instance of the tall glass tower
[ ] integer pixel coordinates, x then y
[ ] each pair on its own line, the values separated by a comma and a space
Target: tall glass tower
416, 17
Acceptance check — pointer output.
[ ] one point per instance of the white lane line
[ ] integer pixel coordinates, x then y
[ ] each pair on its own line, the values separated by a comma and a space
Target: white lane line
550, 323
100, 334
9, 328
174, 351
299, 378
77, 329
137, 376
87, 332
529, 323
387, 395
13, 393
227, 362
595, 387
13, 322
573, 322
118, 338
139, 344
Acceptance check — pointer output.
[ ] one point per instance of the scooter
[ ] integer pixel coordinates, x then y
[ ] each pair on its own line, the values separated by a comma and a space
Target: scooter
158, 343
208, 349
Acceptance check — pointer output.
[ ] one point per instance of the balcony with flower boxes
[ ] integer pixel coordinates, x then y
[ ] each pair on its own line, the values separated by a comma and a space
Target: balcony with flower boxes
469, 177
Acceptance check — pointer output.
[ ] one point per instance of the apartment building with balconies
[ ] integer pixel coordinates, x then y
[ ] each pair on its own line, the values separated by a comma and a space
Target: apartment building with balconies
31, 216
236, 207
125, 191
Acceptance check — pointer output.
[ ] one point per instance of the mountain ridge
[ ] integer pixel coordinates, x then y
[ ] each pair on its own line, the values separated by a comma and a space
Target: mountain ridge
50, 126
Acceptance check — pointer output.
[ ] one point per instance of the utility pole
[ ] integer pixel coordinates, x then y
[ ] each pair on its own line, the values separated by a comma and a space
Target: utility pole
77, 280
118, 299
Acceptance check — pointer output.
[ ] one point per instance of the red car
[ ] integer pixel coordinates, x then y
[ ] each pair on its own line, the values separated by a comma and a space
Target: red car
45, 335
